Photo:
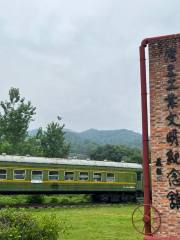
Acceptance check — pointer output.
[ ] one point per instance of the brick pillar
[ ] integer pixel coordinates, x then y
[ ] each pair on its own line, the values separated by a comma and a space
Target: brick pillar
164, 66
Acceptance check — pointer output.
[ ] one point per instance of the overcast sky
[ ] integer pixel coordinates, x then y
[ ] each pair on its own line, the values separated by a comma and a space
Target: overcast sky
79, 59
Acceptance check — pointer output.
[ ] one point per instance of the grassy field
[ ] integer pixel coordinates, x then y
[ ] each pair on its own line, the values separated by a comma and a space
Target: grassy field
96, 223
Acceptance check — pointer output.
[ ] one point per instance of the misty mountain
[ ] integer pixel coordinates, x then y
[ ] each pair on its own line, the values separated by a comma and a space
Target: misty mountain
82, 143
103, 137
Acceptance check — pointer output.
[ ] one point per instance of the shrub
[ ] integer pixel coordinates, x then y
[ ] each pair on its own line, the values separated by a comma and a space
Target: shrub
65, 199
38, 198
12, 199
75, 198
79, 198
18, 224
54, 200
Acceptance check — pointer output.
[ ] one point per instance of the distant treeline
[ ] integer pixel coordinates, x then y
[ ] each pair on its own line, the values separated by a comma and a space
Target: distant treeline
116, 154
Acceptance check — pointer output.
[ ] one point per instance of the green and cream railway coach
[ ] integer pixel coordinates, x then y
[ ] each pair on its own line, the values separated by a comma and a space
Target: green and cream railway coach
106, 181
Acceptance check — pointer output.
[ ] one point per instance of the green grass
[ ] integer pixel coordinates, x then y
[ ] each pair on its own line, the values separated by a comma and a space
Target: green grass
96, 223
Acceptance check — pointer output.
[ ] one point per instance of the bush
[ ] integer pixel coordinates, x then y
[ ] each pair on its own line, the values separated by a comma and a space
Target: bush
18, 224
75, 198
12, 199
80, 198
54, 200
35, 198
65, 199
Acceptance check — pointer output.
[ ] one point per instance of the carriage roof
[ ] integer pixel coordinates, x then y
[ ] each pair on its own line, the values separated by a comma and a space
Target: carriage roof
62, 161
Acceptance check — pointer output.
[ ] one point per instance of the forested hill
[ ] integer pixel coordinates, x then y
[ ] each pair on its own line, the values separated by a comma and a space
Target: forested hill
94, 138
101, 137
82, 143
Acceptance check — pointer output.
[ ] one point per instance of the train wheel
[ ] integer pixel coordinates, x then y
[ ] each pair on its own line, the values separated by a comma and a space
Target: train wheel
153, 219
124, 198
104, 198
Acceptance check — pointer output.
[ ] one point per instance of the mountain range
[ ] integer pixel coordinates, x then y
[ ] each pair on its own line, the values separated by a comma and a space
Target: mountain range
83, 142
103, 137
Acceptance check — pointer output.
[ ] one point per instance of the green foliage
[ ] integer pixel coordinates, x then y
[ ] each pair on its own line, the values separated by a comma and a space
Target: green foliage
77, 198
46, 199
136, 158
71, 198
82, 149
49, 143
52, 141
37, 198
116, 154
15, 118
25, 226
65, 199
32, 146
54, 200
12, 199
82, 143
14, 122
6, 147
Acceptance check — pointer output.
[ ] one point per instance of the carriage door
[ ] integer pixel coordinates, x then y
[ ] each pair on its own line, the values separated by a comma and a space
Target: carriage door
139, 181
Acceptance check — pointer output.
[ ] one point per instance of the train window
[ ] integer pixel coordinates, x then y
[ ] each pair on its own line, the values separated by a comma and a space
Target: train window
69, 176
83, 176
138, 176
36, 175
3, 174
97, 177
110, 177
54, 175
19, 174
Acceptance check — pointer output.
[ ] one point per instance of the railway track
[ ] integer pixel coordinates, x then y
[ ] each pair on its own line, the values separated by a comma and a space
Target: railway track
40, 206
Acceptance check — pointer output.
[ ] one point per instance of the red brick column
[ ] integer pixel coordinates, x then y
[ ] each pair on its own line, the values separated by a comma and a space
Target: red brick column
164, 66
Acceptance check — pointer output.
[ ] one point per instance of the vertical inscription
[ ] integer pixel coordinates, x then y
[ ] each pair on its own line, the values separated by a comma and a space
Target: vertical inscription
164, 70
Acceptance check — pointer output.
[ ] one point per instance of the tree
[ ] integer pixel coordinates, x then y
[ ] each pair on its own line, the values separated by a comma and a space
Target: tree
31, 146
52, 141
136, 158
116, 153
14, 122
82, 149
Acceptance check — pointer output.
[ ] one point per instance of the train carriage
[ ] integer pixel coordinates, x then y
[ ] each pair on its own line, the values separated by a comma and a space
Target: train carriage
105, 181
